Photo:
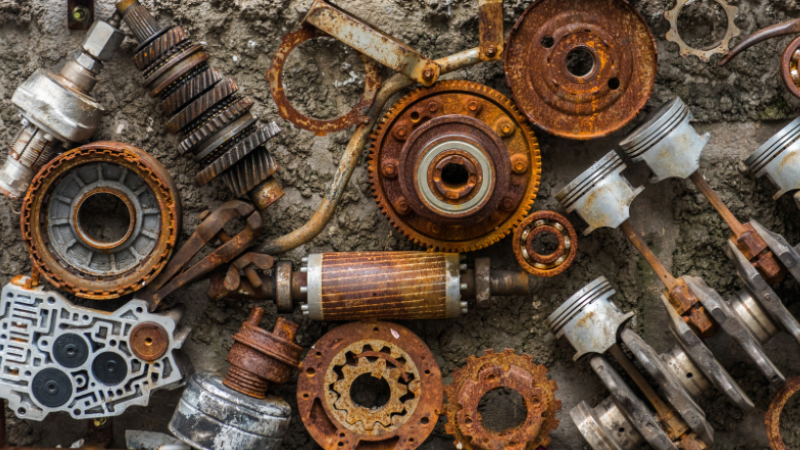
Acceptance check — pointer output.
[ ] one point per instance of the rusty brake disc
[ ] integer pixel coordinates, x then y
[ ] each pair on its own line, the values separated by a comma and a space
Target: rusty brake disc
573, 100
383, 351
74, 256
495, 371
454, 167
545, 222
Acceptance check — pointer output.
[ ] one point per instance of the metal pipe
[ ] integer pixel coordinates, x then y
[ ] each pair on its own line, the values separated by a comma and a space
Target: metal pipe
777, 30
350, 158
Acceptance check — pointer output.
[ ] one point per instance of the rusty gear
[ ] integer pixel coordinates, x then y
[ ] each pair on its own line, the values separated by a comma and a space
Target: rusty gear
60, 246
381, 350
585, 102
789, 67
494, 371
772, 419
454, 167
545, 222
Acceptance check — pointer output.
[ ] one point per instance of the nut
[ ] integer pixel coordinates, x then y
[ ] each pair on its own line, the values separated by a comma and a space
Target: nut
88, 62
102, 40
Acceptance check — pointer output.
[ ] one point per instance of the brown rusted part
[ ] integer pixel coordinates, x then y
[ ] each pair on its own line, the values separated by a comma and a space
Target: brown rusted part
777, 30
464, 114
261, 196
336, 421
80, 14
247, 263
259, 358
545, 265
789, 67
177, 274
490, 22
453, 193
175, 68
190, 91
194, 110
266, 193
690, 441
480, 283
688, 306
61, 274
320, 127
159, 47
217, 122
495, 371
600, 102
148, 341
772, 418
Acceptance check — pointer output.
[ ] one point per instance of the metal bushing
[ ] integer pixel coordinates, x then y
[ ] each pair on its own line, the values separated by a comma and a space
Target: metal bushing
259, 357
212, 416
667, 142
600, 195
779, 159
673, 35
454, 167
369, 350
545, 223
501, 371
588, 319
605, 427
70, 252
581, 70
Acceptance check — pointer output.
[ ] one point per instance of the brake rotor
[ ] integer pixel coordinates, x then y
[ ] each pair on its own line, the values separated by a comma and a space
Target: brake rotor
496, 371
455, 167
67, 250
573, 100
547, 223
382, 351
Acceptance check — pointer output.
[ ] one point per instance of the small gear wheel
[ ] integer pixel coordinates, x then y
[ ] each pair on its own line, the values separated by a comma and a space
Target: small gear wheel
495, 371
455, 167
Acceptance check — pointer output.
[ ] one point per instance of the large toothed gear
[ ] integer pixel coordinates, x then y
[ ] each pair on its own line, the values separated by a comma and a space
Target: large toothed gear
494, 371
454, 167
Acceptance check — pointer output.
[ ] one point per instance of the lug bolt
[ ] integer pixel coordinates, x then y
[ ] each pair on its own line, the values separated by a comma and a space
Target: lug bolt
508, 204
401, 206
519, 163
389, 168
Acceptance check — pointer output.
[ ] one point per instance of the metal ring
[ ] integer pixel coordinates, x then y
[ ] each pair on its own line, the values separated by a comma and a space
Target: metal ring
545, 265
789, 67
772, 419
705, 55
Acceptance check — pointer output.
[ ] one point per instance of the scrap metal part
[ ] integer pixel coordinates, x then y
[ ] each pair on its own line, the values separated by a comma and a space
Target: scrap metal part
496, 371
772, 418
673, 35
381, 350
74, 257
573, 100
57, 110
454, 167
214, 120
61, 357
779, 159
545, 223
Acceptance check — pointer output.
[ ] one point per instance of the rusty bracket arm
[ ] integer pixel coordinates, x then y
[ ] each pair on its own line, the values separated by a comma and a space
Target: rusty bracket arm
372, 42
263, 262
777, 30
490, 18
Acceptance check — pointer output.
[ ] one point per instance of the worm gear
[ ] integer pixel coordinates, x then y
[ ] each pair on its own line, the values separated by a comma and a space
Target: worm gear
495, 371
454, 167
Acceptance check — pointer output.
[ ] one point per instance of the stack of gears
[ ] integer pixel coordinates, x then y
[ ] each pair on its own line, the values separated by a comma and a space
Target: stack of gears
455, 167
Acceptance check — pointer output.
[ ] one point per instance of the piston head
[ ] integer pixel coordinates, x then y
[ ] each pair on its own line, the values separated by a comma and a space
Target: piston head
779, 159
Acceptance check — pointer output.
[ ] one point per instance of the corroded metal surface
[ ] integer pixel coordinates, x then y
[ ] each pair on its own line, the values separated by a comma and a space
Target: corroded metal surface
259, 357
495, 371
454, 167
149, 341
554, 224
382, 350
789, 67
490, 23
673, 35
592, 102
772, 418
321, 127
56, 239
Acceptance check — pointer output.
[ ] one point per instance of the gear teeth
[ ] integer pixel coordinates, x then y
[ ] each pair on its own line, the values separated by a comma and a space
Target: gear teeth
508, 351
488, 352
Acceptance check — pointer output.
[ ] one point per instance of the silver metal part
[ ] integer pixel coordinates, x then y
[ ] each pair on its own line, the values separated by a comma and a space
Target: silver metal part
754, 317
734, 327
667, 142
779, 159
789, 256
605, 427
671, 386
632, 406
673, 35
102, 40
601, 195
211, 416
314, 283
684, 369
152, 440
588, 319
33, 325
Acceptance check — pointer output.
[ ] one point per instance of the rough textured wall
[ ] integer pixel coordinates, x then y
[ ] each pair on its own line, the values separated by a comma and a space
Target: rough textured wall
741, 106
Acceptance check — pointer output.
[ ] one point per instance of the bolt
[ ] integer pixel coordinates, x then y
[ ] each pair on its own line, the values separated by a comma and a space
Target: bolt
435, 228
473, 106
505, 127
508, 204
427, 74
519, 163
433, 107
389, 168
400, 132
491, 51
401, 206
255, 316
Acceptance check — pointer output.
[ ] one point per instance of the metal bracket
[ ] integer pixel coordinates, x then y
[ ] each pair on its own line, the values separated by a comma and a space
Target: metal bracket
490, 19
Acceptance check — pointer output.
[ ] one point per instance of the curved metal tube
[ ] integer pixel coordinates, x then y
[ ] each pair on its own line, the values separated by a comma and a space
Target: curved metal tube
350, 158
778, 30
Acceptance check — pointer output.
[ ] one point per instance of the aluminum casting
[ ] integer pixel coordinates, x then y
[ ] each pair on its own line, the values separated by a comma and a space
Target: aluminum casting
379, 350
545, 223
495, 371
377, 286
61, 239
213, 119
57, 110
581, 70
454, 167
61, 357
673, 35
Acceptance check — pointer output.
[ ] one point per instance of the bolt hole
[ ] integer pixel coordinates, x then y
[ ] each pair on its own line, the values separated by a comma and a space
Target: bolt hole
310, 371
502, 409
370, 392
580, 61
375, 329
319, 354
621, 430
104, 218
415, 116
613, 84
455, 175
689, 375
305, 396
425, 421
22, 411
548, 42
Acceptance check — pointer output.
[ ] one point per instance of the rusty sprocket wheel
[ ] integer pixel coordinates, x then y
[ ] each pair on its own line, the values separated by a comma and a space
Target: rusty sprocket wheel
383, 351
68, 251
454, 167
495, 371
545, 222
589, 100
